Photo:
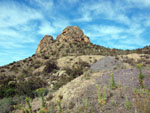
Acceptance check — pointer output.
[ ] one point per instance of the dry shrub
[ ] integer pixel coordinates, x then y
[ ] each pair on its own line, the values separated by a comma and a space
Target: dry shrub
142, 101
50, 66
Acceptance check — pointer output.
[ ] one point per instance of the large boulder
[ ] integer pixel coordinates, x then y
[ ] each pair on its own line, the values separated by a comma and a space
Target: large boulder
71, 34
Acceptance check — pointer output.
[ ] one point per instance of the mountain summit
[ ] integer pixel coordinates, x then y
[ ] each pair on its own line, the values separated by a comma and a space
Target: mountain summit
70, 34
73, 33
47, 40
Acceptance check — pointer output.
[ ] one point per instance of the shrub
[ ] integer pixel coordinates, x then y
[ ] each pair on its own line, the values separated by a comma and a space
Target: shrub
7, 89
127, 103
101, 96
50, 66
27, 87
140, 76
45, 57
29, 110
142, 100
59, 104
78, 69
113, 83
74, 72
6, 105
41, 92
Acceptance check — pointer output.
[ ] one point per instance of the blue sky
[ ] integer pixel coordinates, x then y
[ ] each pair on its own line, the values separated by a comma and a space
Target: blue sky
122, 24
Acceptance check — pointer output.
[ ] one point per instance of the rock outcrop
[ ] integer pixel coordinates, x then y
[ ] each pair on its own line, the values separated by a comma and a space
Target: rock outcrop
71, 34
46, 41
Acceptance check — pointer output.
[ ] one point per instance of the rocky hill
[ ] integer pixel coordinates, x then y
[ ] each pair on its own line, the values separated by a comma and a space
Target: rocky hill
72, 70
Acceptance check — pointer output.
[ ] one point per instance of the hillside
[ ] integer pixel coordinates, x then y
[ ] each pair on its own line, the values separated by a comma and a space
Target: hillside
73, 70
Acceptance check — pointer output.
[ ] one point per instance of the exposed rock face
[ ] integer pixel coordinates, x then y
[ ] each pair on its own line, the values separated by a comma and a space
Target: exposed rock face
71, 34
86, 39
47, 40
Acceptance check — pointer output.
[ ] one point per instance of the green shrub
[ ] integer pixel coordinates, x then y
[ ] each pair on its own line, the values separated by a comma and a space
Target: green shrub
59, 104
127, 103
7, 92
27, 87
101, 94
29, 110
10, 92
140, 76
113, 83
7, 89
41, 92
6, 105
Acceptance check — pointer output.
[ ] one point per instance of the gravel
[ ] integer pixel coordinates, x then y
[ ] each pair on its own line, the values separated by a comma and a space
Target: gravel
106, 63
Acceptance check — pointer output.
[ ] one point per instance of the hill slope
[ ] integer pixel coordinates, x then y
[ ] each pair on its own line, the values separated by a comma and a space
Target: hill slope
69, 60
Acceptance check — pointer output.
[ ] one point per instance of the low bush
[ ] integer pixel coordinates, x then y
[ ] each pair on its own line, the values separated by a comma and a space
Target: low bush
10, 88
142, 100
140, 76
50, 66
7, 104
28, 87
78, 69
7, 89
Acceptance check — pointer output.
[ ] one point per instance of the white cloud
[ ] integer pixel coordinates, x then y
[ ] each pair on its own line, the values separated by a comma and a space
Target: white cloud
70, 1
60, 23
19, 14
8, 32
17, 25
147, 23
43, 4
139, 3
46, 28
84, 18
103, 30
53, 28
119, 11
116, 36
104, 10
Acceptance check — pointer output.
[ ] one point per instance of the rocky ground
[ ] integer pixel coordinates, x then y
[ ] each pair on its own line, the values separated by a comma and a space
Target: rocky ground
84, 88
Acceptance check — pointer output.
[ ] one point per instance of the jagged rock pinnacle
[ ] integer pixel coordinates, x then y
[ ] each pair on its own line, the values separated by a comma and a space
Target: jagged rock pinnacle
47, 40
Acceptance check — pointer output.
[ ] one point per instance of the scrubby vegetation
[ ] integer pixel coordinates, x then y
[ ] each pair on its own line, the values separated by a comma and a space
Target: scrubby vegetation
141, 76
9, 87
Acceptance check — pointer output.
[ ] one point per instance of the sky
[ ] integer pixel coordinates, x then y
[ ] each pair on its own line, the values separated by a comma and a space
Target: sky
121, 24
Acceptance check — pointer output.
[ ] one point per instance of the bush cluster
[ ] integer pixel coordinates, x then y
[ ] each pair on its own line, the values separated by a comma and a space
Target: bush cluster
50, 66
78, 69
9, 87
28, 87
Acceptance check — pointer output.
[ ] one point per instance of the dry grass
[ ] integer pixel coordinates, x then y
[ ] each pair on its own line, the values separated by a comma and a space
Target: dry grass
142, 101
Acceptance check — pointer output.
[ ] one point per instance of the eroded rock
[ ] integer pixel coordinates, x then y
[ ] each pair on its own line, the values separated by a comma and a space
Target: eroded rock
47, 40
71, 34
